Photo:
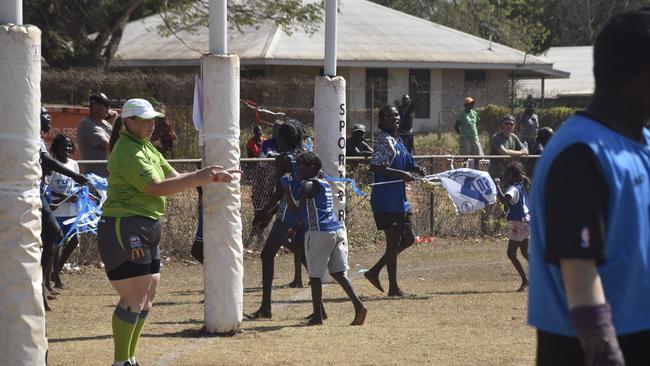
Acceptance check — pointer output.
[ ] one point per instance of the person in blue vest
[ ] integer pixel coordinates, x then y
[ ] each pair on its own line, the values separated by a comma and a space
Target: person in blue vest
589, 273
391, 162
516, 201
286, 230
326, 246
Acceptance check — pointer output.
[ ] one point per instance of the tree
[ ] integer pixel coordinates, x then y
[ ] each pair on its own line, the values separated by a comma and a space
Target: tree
88, 32
515, 23
576, 23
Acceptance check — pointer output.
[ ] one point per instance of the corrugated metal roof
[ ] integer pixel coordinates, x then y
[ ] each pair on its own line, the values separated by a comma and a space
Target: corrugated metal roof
369, 35
576, 60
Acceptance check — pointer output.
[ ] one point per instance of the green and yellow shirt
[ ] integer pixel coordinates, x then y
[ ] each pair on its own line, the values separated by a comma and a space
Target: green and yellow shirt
132, 166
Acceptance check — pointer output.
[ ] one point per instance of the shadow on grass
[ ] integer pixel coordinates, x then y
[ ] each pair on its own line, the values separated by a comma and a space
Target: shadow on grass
185, 292
190, 321
472, 292
164, 303
192, 333
273, 328
258, 289
362, 297
79, 339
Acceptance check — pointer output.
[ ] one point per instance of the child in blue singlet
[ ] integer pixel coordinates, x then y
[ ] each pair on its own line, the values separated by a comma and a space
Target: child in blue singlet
326, 246
516, 201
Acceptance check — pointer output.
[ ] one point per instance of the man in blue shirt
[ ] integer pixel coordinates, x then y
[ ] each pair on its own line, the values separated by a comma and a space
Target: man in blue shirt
590, 233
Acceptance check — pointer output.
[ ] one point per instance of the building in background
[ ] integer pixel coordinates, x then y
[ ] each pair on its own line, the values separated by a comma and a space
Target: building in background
576, 90
382, 53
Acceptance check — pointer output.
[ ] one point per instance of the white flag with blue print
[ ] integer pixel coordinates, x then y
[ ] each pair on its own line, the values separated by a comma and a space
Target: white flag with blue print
470, 189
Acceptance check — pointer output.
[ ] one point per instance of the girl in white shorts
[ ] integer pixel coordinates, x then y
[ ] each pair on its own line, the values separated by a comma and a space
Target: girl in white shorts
516, 201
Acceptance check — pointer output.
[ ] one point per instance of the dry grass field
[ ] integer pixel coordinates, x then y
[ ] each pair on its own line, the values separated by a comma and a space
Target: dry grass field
465, 312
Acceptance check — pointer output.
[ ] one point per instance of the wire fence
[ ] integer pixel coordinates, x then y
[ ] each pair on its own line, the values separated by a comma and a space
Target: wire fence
434, 214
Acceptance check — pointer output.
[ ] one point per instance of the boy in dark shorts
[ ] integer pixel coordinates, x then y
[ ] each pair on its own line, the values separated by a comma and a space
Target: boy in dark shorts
325, 240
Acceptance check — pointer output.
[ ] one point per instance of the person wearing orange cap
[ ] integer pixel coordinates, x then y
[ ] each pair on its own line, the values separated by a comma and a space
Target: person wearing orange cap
468, 143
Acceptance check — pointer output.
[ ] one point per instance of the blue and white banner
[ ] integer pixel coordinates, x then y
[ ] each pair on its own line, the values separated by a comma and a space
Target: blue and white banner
470, 189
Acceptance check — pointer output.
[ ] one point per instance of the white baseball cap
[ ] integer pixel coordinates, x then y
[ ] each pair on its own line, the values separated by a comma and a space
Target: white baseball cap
139, 108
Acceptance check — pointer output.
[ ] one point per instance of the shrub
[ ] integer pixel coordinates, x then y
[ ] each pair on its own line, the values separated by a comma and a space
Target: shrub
553, 117
490, 117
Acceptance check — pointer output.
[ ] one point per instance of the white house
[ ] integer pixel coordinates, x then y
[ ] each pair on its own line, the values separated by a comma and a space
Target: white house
578, 61
382, 53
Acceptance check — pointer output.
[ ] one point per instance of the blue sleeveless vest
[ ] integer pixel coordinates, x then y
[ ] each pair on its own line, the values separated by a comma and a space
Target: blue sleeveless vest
519, 211
625, 275
318, 212
284, 214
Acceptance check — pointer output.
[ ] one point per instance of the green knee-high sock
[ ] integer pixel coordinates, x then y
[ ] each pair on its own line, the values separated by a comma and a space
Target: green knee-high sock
137, 331
124, 322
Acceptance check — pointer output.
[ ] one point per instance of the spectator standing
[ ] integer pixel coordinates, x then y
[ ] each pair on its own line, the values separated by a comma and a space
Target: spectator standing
254, 144
468, 119
356, 144
505, 142
406, 109
94, 133
529, 123
589, 291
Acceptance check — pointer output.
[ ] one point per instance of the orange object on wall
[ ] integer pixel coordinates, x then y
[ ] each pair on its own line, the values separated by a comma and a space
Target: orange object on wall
65, 119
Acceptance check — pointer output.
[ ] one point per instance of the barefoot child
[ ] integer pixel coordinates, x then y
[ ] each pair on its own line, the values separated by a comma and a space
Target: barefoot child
326, 245
516, 201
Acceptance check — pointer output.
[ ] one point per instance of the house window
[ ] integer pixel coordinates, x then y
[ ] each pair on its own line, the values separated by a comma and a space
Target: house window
475, 78
420, 92
376, 88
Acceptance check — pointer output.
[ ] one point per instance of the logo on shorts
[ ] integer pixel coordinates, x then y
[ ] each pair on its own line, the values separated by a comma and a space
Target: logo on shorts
585, 238
136, 247
135, 241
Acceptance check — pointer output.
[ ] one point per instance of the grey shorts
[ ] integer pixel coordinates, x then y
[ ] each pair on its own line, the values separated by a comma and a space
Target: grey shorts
128, 246
326, 251
469, 146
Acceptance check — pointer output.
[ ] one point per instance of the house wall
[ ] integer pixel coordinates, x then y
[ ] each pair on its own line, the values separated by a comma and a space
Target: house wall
447, 92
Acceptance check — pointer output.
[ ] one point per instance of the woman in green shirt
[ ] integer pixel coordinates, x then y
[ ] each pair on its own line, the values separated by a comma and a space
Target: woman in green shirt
129, 229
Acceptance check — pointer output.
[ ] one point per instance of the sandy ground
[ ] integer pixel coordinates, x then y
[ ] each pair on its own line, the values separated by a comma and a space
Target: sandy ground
465, 312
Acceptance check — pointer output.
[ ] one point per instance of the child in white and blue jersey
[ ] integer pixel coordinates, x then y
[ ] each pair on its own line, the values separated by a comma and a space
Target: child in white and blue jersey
516, 201
326, 246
